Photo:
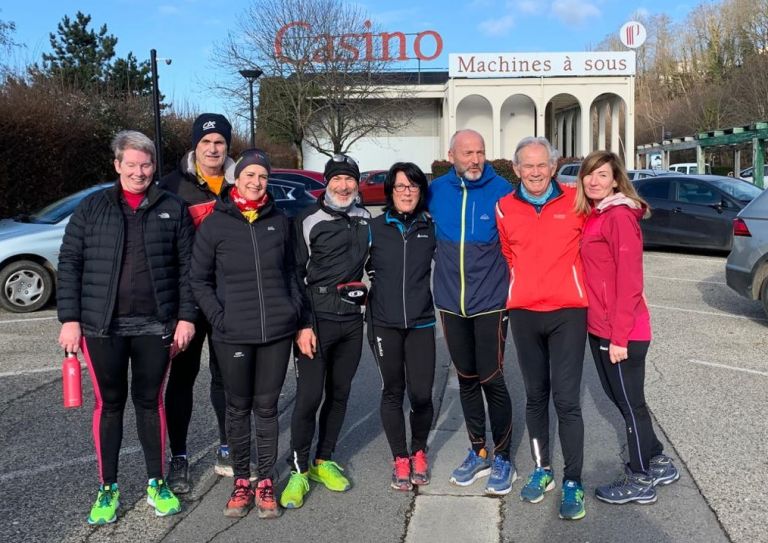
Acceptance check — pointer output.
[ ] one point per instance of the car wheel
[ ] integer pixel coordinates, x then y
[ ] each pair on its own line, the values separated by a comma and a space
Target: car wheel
764, 296
26, 286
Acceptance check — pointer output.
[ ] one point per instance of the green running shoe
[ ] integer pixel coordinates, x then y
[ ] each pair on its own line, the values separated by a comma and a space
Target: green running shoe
104, 510
294, 492
328, 472
572, 501
160, 497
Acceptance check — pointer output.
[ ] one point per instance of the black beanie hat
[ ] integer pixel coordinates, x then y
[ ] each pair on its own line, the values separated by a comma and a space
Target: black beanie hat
252, 156
211, 123
341, 165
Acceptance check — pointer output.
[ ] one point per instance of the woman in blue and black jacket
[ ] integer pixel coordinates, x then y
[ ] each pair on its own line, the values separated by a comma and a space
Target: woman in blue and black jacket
401, 318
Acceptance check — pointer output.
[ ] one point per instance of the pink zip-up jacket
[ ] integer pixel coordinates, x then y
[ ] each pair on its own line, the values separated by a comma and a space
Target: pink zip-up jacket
612, 256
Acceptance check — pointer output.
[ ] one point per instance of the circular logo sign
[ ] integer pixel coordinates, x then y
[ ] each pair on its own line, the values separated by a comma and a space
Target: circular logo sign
632, 34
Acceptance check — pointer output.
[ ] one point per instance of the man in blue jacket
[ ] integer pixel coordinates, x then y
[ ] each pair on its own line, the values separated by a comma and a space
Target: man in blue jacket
471, 281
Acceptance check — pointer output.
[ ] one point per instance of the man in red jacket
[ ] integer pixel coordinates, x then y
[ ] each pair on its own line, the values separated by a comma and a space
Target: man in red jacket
199, 179
540, 232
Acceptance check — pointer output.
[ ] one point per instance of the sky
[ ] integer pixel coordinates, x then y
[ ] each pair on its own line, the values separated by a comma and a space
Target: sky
188, 31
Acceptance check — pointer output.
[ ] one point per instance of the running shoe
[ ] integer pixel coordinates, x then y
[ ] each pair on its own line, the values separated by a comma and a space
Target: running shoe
160, 496
472, 468
265, 500
540, 481
329, 473
241, 500
503, 474
419, 468
663, 470
572, 502
178, 475
223, 464
401, 474
104, 510
294, 492
630, 487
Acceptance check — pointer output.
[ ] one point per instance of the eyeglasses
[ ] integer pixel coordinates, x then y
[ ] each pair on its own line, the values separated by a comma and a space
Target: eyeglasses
344, 158
403, 188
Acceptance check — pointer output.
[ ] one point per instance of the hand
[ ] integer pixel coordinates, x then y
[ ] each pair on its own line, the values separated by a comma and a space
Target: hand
617, 354
184, 333
307, 342
69, 337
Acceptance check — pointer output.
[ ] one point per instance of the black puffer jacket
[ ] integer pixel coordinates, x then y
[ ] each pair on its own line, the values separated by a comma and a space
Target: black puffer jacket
184, 183
331, 248
92, 251
400, 267
243, 275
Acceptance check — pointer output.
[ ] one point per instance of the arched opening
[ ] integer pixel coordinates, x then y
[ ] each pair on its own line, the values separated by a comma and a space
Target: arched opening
475, 112
518, 120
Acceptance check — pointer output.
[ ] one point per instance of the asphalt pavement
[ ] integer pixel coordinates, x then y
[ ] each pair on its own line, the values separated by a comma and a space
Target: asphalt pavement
706, 385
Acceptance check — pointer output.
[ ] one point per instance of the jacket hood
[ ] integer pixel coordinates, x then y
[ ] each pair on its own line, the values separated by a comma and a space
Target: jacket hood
488, 174
187, 166
619, 199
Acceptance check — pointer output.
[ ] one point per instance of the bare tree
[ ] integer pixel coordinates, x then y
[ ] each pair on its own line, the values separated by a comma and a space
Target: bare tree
322, 62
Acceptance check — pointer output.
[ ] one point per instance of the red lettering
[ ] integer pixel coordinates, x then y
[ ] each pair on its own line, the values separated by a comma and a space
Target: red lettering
385, 37
368, 42
279, 41
352, 48
438, 45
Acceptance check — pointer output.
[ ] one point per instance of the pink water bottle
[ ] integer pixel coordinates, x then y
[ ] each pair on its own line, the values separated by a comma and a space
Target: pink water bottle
71, 381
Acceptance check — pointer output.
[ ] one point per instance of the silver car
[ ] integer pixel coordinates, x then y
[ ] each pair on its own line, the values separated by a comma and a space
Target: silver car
29, 253
746, 270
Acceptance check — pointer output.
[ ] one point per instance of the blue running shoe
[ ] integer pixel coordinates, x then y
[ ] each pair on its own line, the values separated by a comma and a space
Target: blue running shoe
663, 470
503, 474
630, 487
471, 469
540, 481
572, 502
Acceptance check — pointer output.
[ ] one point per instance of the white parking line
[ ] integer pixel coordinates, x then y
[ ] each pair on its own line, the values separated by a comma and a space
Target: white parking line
713, 313
686, 280
58, 465
679, 257
10, 321
726, 367
28, 372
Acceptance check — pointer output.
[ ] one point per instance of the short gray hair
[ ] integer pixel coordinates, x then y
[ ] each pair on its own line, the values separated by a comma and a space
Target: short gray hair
534, 140
132, 139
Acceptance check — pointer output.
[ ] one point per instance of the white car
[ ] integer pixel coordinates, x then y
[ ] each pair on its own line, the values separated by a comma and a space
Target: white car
689, 168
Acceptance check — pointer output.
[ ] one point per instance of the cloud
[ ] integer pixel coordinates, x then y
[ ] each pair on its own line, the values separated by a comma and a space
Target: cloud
574, 12
497, 27
639, 14
529, 7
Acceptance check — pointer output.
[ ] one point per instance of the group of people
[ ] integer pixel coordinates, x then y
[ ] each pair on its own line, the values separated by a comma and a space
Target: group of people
148, 270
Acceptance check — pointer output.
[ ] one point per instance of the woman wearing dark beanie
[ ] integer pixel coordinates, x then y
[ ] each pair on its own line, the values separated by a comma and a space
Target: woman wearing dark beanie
244, 281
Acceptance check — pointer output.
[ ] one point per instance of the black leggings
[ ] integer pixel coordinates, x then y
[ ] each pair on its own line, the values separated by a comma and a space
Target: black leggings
624, 383
550, 351
405, 356
476, 346
340, 345
253, 377
181, 383
108, 359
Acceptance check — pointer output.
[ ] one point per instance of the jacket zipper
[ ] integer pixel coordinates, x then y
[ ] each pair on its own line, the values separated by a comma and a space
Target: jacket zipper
256, 259
461, 248
576, 281
115, 275
405, 245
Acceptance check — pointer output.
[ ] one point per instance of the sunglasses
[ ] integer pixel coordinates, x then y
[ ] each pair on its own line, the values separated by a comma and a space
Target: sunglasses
344, 158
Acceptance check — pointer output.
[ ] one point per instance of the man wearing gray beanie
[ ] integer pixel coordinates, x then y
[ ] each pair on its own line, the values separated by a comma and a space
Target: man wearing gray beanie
199, 179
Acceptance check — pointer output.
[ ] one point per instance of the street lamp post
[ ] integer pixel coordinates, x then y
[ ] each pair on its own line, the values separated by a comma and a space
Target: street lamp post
251, 76
156, 109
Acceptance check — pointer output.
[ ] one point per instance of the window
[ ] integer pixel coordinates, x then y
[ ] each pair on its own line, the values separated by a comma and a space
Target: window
277, 192
691, 192
654, 189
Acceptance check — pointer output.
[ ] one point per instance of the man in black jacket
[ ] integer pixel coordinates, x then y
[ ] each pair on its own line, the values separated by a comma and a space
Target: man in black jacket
332, 242
202, 174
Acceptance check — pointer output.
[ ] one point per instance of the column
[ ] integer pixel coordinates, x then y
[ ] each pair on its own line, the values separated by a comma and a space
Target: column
560, 143
615, 124
602, 110
586, 131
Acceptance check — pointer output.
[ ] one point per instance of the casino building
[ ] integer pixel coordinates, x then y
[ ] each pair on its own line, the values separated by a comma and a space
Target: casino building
580, 101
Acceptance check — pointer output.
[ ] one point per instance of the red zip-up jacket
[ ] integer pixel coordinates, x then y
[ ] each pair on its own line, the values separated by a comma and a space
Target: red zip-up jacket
612, 253
542, 252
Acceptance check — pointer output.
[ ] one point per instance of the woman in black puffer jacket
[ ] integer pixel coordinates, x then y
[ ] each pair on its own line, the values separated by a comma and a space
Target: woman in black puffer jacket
244, 281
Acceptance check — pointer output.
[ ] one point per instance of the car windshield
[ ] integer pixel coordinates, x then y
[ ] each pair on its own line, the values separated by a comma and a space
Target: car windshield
739, 190
60, 209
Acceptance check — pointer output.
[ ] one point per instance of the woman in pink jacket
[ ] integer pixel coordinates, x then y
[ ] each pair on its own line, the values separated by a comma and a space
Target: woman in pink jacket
618, 321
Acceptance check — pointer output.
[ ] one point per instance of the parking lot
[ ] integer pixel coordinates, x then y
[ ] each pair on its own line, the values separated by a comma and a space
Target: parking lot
707, 381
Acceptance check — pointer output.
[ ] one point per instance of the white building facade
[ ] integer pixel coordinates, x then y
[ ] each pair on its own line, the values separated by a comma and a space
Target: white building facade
579, 101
